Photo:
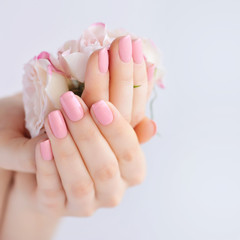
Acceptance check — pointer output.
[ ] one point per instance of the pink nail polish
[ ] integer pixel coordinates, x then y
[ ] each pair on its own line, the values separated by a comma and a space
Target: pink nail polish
125, 49
102, 112
103, 60
71, 106
46, 150
150, 72
137, 51
57, 124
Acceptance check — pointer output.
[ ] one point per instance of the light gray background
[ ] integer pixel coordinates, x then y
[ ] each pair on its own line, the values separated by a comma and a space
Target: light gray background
192, 191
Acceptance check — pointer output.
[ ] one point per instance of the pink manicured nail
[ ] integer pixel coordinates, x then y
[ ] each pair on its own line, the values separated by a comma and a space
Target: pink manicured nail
125, 49
150, 72
154, 127
103, 60
102, 112
71, 106
137, 51
46, 150
57, 124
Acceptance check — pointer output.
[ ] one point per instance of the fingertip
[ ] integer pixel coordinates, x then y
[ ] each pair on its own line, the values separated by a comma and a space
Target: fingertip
145, 130
102, 112
154, 124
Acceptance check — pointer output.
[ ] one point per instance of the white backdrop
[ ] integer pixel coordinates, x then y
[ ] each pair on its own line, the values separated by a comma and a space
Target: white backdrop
192, 191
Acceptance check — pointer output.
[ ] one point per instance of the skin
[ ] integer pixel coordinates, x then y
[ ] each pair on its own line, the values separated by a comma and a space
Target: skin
74, 182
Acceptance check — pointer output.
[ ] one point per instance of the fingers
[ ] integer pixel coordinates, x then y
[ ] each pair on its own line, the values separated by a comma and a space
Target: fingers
145, 130
76, 182
127, 68
121, 69
95, 150
122, 140
97, 78
91, 168
49, 187
141, 83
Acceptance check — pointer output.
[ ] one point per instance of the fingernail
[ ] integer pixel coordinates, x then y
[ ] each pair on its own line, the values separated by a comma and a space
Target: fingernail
71, 106
57, 124
125, 49
102, 112
154, 127
137, 51
150, 72
46, 150
103, 60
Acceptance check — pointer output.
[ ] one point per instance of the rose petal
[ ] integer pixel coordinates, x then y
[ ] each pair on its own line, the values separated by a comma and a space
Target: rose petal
56, 86
76, 63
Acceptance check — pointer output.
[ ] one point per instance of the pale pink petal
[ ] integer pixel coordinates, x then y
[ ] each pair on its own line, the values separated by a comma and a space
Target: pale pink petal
47, 77
77, 63
95, 33
71, 45
56, 86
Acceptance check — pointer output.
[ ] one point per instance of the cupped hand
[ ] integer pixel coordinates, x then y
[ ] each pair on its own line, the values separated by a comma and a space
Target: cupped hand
90, 159
110, 76
121, 76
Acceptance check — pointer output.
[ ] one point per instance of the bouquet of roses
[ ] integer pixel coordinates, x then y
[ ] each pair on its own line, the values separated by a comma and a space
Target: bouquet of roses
47, 76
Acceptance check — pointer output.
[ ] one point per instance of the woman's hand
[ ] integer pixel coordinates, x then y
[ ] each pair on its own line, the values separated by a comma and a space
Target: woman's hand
90, 159
127, 68
111, 75
17, 150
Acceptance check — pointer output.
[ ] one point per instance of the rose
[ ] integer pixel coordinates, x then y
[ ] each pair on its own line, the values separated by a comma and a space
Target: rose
47, 77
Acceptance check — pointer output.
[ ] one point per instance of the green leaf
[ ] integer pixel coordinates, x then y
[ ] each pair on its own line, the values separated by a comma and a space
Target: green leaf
136, 86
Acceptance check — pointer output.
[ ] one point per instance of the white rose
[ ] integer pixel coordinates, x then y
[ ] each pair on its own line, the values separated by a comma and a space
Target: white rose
46, 78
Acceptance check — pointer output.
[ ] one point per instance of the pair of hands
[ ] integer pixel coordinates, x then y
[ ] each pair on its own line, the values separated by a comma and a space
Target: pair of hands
93, 152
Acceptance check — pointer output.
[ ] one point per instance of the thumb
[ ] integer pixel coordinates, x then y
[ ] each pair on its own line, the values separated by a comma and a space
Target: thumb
145, 130
18, 153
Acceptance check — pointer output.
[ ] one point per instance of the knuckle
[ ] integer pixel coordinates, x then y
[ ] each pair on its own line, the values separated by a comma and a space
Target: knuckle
51, 193
129, 155
87, 135
107, 172
127, 79
52, 200
138, 175
141, 77
113, 201
47, 174
133, 153
137, 179
65, 156
81, 189
87, 212
51, 206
